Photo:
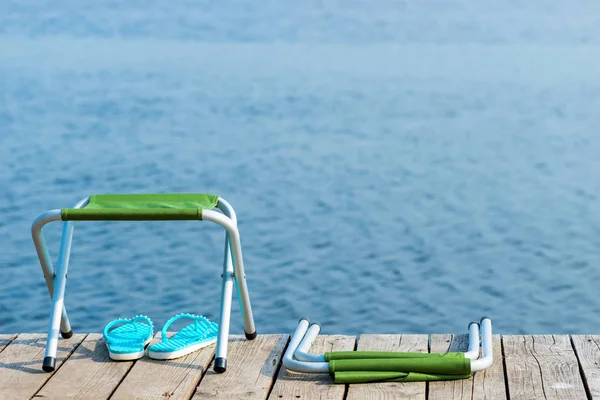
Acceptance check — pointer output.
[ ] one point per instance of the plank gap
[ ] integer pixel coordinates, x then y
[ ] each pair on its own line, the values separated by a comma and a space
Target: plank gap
22, 375
542, 366
429, 351
291, 385
88, 374
279, 366
5, 340
390, 390
504, 368
122, 379
587, 351
250, 370
583, 377
177, 378
346, 386
203, 374
53, 373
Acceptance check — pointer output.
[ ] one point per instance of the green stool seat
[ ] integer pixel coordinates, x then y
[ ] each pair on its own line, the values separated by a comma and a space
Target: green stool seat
142, 207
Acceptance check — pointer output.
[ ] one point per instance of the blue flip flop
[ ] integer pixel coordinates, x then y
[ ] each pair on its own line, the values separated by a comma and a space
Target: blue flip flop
195, 336
127, 338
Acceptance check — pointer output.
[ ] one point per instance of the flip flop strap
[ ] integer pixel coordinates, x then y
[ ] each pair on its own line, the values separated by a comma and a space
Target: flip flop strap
112, 325
196, 318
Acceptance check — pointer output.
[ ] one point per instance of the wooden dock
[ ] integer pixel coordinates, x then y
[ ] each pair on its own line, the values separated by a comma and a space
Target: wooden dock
525, 367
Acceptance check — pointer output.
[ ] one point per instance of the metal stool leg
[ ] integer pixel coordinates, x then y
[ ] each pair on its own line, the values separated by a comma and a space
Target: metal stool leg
224, 317
233, 269
58, 299
242, 287
46, 263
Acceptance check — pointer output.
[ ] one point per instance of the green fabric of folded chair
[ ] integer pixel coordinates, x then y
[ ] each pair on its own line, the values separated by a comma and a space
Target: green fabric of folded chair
379, 376
362, 367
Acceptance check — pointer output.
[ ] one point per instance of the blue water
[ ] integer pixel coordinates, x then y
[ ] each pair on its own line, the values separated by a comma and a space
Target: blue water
396, 167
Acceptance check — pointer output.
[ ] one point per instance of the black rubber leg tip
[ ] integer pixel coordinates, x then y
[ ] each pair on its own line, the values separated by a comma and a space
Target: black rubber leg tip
250, 336
66, 335
220, 365
49, 364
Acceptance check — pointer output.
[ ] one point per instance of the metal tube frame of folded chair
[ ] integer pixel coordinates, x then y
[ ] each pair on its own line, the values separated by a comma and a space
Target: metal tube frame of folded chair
233, 272
297, 358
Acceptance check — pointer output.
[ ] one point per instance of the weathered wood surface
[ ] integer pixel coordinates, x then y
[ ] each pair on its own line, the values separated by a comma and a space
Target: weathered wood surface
587, 348
488, 384
542, 367
251, 369
21, 375
296, 385
5, 339
390, 390
169, 379
528, 367
87, 374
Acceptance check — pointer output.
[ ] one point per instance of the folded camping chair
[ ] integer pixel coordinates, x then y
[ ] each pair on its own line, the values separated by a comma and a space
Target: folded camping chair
381, 366
143, 207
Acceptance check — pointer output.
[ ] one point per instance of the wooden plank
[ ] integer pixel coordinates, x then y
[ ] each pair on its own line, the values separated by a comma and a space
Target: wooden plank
542, 367
172, 379
486, 384
296, 385
21, 374
587, 348
251, 369
5, 339
390, 390
88, 374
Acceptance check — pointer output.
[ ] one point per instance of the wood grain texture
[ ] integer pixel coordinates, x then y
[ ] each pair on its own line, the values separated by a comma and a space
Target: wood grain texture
21, 374
252, 366
390, 390
295, 385
488, 384
542, 367
5, 339
88, 373
587, 348
165, 379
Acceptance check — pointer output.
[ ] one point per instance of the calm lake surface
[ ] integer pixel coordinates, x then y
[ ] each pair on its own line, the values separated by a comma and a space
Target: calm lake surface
395, 167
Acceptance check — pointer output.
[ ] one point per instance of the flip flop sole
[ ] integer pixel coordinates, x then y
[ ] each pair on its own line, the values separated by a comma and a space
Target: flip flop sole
128, 356
168, 355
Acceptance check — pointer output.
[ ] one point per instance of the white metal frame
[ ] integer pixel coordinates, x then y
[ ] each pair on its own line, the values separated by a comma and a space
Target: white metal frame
297, 358
233, 271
